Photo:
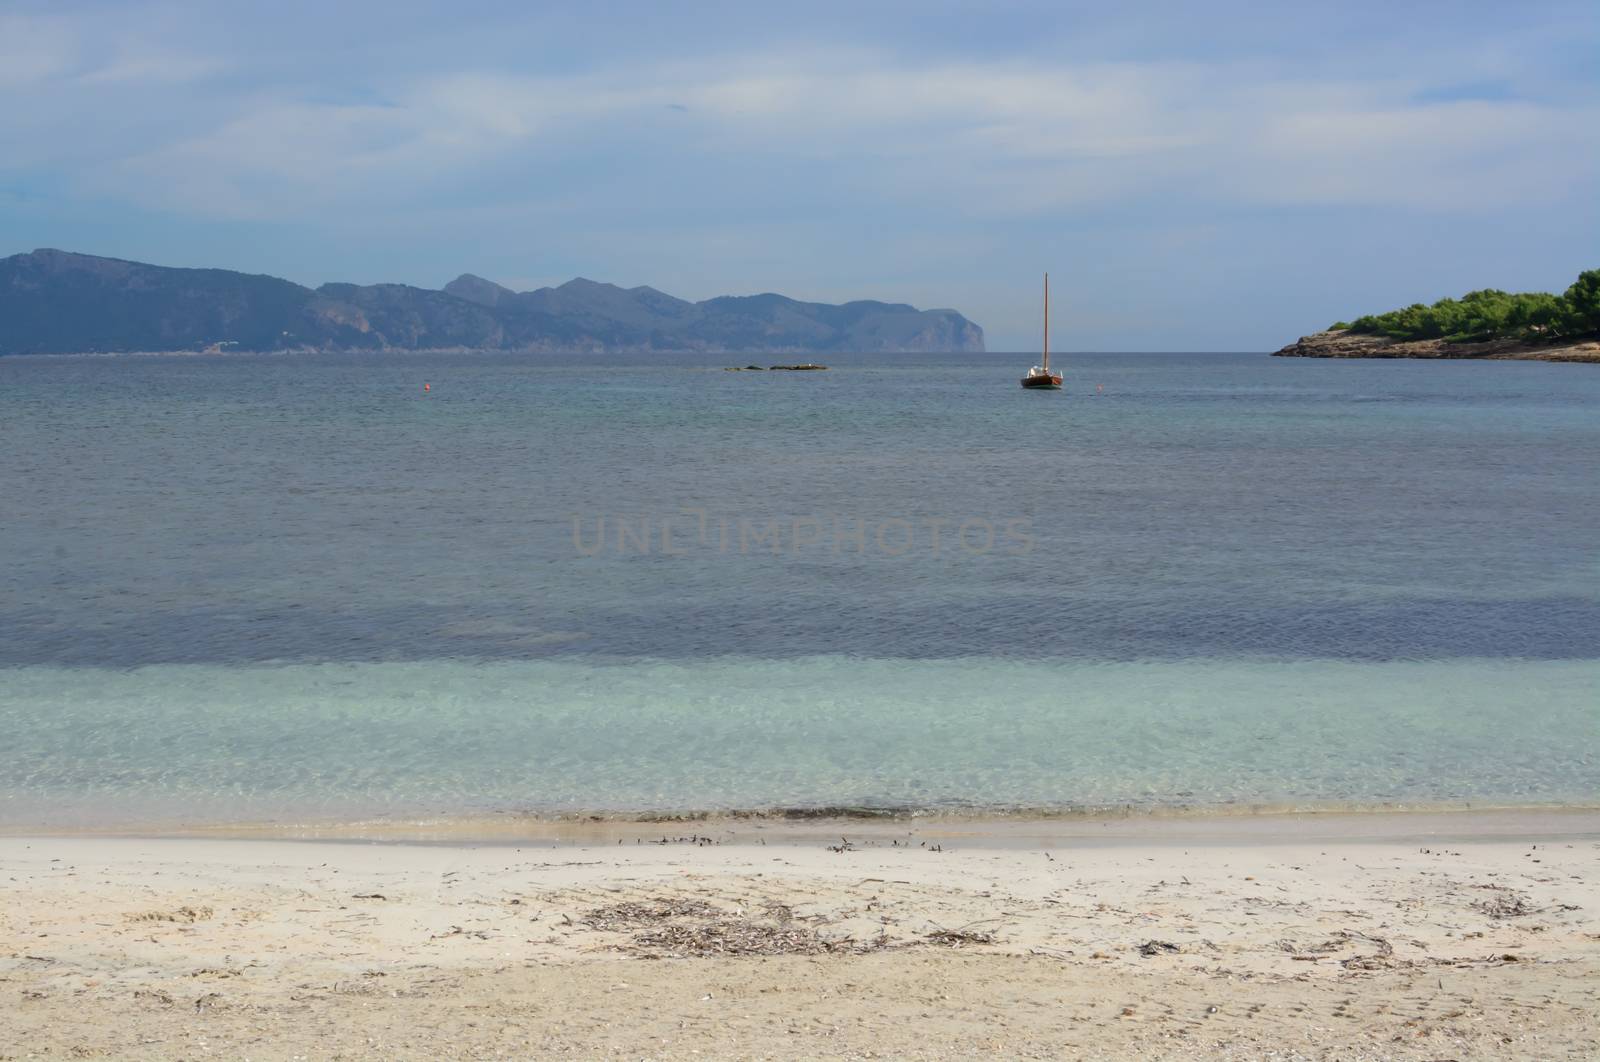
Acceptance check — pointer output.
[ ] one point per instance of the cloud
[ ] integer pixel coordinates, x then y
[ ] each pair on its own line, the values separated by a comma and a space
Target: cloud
34, 49
156, 66
985, 137
1458, 155
58, 53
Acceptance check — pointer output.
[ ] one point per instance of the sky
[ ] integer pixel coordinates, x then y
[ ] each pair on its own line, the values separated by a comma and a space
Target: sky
1195, 176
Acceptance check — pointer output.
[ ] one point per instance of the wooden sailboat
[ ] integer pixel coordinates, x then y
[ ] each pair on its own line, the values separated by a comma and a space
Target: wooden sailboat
1040, 375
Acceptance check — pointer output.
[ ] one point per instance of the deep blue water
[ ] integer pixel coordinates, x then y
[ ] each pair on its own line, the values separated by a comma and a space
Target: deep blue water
656, 584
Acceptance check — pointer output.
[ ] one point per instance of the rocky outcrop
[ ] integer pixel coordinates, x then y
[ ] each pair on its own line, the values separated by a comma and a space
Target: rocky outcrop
1340, 343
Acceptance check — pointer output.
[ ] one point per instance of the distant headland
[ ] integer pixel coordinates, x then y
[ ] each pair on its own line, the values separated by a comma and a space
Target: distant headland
58, 302
1486, 324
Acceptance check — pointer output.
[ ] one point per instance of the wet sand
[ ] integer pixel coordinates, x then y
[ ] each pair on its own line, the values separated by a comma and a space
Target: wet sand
1384, 936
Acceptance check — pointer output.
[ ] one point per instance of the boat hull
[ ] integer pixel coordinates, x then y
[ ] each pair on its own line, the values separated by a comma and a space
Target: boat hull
1051, 382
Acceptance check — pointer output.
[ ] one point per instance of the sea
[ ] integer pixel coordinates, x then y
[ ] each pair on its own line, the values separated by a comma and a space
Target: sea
289, 589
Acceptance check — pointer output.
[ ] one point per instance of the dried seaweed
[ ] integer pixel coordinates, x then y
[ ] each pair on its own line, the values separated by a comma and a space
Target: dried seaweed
1157, 947
1311, 951
632, 914
681, 927
956, 938
1505, 903
183, 914
1382, 959
738, 936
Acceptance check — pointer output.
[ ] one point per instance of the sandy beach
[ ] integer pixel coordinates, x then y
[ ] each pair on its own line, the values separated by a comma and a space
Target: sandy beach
1286, 937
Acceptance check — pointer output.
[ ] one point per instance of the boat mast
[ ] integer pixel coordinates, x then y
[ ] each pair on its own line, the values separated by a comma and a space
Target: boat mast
1046, 365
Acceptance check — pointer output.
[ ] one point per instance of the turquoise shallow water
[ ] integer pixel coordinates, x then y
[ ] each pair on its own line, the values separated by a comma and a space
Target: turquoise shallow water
286, 587
310, 742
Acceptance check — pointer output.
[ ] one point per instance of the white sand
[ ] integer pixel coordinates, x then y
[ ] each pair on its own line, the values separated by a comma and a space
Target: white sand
1374, 937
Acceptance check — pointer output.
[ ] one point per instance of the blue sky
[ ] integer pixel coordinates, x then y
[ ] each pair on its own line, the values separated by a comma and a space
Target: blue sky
1217, 176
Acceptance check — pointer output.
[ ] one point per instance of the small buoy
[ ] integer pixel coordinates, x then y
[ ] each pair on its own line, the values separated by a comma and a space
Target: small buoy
427, 387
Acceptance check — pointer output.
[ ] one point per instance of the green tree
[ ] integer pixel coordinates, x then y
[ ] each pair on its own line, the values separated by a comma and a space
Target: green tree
1582, 304
1535, 312
1490, 313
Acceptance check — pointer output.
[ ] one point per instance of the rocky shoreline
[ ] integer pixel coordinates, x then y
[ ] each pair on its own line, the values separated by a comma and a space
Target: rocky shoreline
1339, 343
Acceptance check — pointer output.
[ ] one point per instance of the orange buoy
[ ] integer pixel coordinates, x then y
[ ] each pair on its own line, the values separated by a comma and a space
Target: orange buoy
427, 387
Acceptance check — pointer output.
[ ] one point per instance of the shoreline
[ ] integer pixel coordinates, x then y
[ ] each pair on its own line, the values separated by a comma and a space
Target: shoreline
1339, 343
1257, 824
1162, 948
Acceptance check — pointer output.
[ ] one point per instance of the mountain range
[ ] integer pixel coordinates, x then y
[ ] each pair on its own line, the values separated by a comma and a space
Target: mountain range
60, 302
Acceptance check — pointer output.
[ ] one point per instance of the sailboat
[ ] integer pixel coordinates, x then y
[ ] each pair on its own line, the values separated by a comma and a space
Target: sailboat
1040, 375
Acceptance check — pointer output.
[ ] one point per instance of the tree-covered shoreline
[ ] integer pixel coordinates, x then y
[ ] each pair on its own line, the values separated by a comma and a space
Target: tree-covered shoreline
1481, 316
